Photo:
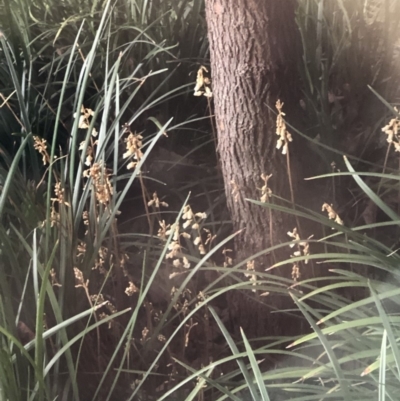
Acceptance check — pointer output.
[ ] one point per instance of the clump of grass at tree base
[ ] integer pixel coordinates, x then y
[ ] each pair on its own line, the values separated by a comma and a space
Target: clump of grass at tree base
352, 352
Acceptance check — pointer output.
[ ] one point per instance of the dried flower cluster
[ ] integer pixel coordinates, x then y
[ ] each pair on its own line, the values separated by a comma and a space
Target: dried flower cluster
175, 249
156, 202
266, 192
89, 152
53, 279
40, 145
284, 136
303, 249
131, 289
192, 221
59, 199
182, 303
202, 83
100, 182
392, 132
133, 148
227, 259
79, 280
332, 214
84, 119
250, 267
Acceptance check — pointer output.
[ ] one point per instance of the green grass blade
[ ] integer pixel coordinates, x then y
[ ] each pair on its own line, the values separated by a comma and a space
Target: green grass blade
235, 351
382, 369
388, 328
256, 369
344, 388
371, 194
11, 173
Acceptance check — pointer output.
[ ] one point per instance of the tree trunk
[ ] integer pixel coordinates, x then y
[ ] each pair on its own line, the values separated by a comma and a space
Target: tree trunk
253, 47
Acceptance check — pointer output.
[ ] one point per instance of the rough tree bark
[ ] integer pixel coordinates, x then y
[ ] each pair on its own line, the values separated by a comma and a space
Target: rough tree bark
253, 46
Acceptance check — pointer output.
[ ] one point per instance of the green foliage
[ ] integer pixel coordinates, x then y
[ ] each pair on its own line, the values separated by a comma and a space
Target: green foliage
79, 80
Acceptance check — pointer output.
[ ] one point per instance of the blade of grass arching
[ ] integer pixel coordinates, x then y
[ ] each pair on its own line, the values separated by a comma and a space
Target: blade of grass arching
235, 352
196, 373
256, 369
371, 194
81, 91
346, 16
375, 365
80, 196
60, 107
331, 258
125, 339
184, 321
356, 306
146, 105
142, 296
328, 349
66, 241
393, 177
108, 93
109, 219
388, 328
320, 21
207, 379
331, 287
382, 369
177, 330
116, 138
201, 381
320, 144
56, 310
9, 387
384, 101
183, 286
24, 114
309, 215
80, 335
343, 327
39, 349
68, 322
167, 96
35, 274
144, 12
21, 349
10, 176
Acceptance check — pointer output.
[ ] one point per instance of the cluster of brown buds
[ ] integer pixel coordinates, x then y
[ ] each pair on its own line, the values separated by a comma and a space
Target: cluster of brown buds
266, 192
392, 132
192, 221
40, 145
202, 83
332, 213
84, 119
134, 144
284, 136
228, 261
156, 202
250, 267
303, 248
100, 182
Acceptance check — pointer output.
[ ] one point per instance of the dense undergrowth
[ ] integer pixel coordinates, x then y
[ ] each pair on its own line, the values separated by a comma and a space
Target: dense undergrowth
114, 238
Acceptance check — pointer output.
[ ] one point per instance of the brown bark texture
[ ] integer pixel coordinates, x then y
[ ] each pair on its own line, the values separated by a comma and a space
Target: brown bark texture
253, 47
